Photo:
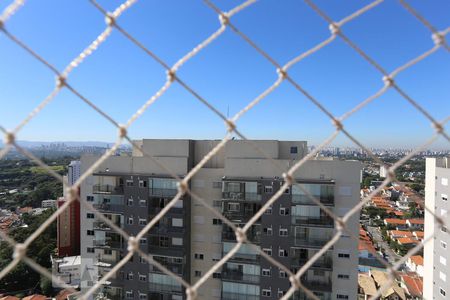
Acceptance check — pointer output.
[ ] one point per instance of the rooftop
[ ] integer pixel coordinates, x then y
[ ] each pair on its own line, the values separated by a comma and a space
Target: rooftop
417, 259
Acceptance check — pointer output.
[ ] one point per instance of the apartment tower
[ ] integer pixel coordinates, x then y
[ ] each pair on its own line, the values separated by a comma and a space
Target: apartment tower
437, 250
189, 239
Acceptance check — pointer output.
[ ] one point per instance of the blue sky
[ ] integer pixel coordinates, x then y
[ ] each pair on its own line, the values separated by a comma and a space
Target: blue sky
119, 77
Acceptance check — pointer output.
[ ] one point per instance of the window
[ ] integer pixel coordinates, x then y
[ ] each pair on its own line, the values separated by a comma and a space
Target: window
107, 251
443, 276
268, 251
129, 182
217, 203
444, 245
281, 293
283, 232
142, 296
197, 273
143, 241
177, 241
444, 229
442, 291
90, 215
142, 183
340, 296
130, 276
90, 250
267, 230
164, 241
130, 202
129, 294
268, 189
216, 257
443, 212
234, 206
444, 181
217, 222
266, 293
199, 256
266, 272
142, 202
319, 273
343, 255
294, 150
284, 211
217, 275
142, 260
90, 198
282, 253
268, 210
282, 274
217, 185
443, 260
142, 222
90, 232
177, 222
343, 276
444, 197
130, 221
142, 277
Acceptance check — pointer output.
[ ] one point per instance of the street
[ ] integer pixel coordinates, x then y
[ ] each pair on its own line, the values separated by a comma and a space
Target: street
378, 240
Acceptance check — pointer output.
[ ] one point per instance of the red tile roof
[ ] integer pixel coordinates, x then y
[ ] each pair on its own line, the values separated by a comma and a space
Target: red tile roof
416, 221
406, 240
417, 259
395, 221
414, 285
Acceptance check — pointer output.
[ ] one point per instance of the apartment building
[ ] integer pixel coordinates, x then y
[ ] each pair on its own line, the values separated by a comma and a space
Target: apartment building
189, 240
436, 251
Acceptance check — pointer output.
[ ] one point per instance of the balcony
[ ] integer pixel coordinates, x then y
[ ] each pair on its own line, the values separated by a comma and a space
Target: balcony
320, 295
316, 243
172, 211
241, 216
239, 296
166, 230
107, 207
253, 236
244, 258
165, 288
321, 263
235, 275
107, 189
157, 192
241, 196
100, 225
108, 244
327, 200
323, 221
317, 285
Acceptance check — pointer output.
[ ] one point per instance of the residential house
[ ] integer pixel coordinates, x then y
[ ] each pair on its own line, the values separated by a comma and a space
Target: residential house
399, 224
415, 264
413, 285
366, 287
415, 224
394, 292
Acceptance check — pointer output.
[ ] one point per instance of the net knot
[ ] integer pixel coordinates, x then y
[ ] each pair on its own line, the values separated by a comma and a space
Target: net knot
388, 80
295, 282
110, 20
191, 293
182, 187
122, 131
338, 124
230, 125
224, 19
438, 127
288, 178
438, 38
19, 251
241, 237
10, 138
282, 73
170, 75
132, 244
334, 28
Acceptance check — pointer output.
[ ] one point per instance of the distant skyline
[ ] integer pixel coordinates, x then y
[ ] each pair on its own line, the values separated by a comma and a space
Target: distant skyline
119, 77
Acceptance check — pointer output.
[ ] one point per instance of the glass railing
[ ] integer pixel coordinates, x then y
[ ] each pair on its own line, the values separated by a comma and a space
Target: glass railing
235, 275
317, 285
305, 200
241, 196
325, 221
239, 296
165, 288
108, 207
311, 242
107, 189
323, 263
158, 192
253, 237
100, 225
108, 244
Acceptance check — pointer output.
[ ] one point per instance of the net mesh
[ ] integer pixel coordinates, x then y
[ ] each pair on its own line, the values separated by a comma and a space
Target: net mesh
336, 29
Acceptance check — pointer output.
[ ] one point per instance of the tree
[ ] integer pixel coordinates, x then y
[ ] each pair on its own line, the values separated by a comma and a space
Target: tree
46, 286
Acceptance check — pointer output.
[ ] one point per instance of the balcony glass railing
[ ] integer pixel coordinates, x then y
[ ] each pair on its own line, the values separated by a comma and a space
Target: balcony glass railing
313, 242
253, 237
324, 221
305, 200
100, 225
108, 244
165, 288
163, 192
323, 263
107, 189
317, 285
234, 275
241, 196
108, 207
239, 296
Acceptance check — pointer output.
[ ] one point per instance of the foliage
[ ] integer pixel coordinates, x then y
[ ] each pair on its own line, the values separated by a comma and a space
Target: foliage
22, 276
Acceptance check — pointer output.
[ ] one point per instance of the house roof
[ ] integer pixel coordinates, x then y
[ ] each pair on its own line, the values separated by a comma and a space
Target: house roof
9, 298
35, 297
417, 259
401, 233
367, 284
419, 234
381, 279
394, 221
62, 295
416, 221
414, 285
407, 240
363, 245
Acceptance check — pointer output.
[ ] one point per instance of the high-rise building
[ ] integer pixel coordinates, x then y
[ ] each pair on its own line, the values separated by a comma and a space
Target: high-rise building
189, 239
436, 251
68, 222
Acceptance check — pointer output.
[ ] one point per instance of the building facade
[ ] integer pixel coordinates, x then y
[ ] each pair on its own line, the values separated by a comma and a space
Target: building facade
189, 239
436, 251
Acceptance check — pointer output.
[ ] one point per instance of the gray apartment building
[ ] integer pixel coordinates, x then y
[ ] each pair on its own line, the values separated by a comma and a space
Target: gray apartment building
189, 240
436, 251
